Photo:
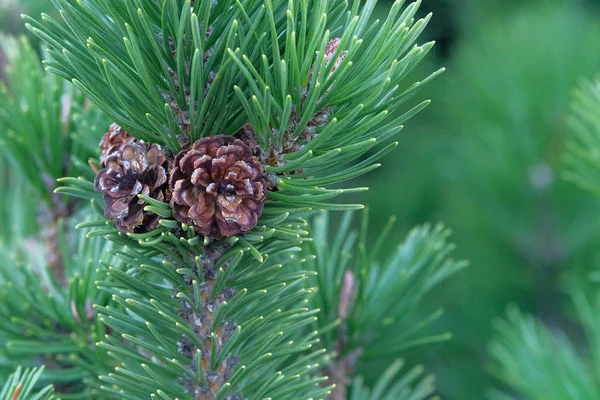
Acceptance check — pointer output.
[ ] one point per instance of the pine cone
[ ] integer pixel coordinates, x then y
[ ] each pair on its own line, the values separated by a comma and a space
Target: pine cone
136, 168
218, 187
330, 50
112, 141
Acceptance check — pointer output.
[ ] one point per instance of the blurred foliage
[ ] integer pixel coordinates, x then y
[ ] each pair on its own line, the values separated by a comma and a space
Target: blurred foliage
583, 152
542, 363
21, 384
485, 158
47, 269
382, 316
533, 357
41, 109
11, 10
410, 385
376, 292
14, 214
11, 22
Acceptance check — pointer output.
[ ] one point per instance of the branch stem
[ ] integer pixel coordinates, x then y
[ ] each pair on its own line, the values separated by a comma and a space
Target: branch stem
200, 319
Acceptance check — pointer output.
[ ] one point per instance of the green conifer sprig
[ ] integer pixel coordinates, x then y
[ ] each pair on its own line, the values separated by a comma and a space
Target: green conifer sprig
257, 310
356, 89
47, 273
584, 149
46, 323
541, 361
51, 129
251, 328
379, 294
142, 78
309, 123
411, 385
119, 46
374, 298
167, 274
21, 385
296, 84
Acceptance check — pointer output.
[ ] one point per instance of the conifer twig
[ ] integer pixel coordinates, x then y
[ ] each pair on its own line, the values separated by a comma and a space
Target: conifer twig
201, 321
51, 221
340, 373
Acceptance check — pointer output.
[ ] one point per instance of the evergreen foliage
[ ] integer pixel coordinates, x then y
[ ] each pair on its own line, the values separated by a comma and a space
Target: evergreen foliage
243, 50
11, 9
47, 269
21, 384
40, 109
497, 128
543, 363
537, 360
375, 298
393, 387
316, 90
581, 159
506, 177
45, 321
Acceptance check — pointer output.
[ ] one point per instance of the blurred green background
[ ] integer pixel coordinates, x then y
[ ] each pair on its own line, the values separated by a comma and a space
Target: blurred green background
485, 158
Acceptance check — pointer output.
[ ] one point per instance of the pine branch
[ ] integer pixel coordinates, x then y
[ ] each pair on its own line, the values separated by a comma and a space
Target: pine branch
530, 357
374, 300
47, 272
205, 257
266, 311
39, 111
204, 320
235, 316
41, 116
21, 384
539, 362
298, 110
409, 386
47, 323
583, 150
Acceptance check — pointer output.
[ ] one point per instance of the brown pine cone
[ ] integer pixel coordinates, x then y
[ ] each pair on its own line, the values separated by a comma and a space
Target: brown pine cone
330, 50
112, 141
137, 168
218, 187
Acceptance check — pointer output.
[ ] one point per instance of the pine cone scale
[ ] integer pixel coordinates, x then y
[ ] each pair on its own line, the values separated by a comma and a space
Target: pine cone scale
203, 213
113, 141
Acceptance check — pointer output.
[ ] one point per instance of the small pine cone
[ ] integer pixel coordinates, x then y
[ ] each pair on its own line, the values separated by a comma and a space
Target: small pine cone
218, 187
112, 141
136, 168
330, 50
